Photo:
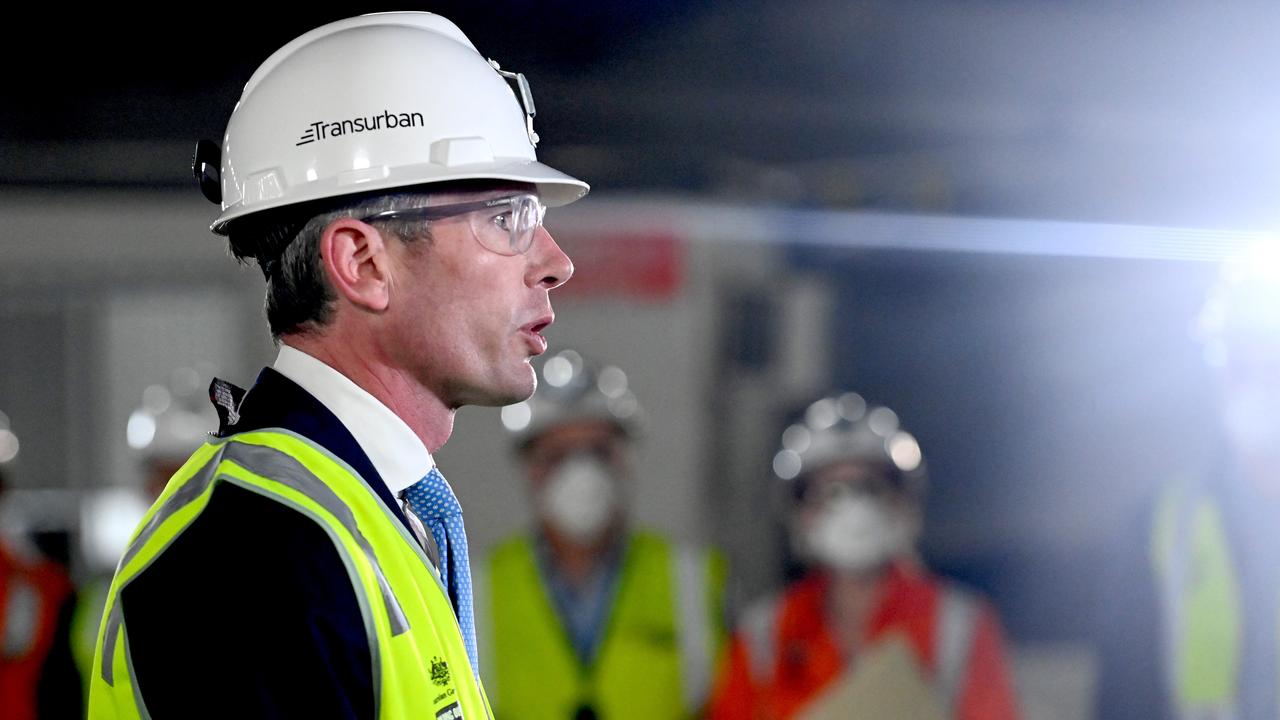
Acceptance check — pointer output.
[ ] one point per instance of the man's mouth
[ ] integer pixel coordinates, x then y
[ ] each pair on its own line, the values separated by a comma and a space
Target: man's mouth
532, 333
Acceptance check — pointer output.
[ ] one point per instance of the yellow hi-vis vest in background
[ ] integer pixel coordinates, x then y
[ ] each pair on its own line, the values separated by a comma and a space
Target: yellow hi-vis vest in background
420, 665
1202, 614
663, 636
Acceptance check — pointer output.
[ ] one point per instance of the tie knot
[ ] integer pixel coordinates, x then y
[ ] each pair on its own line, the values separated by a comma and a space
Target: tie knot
432, 497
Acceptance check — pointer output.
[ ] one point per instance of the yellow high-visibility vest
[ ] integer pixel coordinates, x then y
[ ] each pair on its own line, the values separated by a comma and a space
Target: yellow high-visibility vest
85, 621
1201, 613
420, 665
662, 640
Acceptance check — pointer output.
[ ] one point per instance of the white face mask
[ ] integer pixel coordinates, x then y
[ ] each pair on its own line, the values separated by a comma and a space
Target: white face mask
580, 497
853, 533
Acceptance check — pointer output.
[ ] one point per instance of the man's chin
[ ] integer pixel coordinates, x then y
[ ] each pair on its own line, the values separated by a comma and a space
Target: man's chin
512, 391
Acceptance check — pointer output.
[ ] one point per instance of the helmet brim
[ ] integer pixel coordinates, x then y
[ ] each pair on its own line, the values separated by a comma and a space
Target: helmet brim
556, 189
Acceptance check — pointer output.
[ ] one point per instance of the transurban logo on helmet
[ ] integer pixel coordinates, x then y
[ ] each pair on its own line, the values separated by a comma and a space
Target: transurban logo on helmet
324, 130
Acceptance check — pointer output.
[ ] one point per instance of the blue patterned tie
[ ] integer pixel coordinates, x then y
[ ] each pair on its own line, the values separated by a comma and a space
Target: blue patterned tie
433, 501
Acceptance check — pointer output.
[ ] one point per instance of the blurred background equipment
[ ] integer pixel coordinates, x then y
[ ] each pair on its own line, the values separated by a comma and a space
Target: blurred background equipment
866, 630
589, 615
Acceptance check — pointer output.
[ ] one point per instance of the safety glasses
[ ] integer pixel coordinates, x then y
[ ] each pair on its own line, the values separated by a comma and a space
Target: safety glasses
504, 225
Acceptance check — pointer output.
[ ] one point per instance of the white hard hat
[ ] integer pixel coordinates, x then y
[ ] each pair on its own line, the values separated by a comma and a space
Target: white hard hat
8, 441
843, 427
173, 419
571, 389
108, 517
375, 102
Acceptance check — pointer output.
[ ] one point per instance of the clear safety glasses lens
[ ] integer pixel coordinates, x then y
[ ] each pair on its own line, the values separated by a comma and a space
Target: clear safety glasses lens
509, 225
505, 225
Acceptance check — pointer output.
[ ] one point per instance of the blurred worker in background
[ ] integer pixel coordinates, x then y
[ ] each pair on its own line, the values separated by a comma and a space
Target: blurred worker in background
589, 616
1191, 622
868, 632
171, 419
311, 560
38, 677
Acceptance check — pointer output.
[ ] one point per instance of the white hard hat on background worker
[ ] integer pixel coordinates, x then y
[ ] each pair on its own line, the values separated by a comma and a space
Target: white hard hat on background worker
855, 530
584, 492
572, 388
172, 418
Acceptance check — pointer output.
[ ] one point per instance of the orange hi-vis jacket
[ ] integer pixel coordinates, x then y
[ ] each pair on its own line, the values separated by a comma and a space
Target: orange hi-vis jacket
31, 594
785, 655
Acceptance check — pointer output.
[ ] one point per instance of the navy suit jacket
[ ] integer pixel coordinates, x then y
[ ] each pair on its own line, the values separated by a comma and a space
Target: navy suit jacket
250, 612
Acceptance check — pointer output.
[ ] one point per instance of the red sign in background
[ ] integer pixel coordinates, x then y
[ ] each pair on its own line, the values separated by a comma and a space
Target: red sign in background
647, 266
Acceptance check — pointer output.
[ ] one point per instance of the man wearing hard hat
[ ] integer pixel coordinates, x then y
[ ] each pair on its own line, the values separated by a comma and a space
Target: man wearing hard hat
1191, 624
868, 632
589, 616
311, 560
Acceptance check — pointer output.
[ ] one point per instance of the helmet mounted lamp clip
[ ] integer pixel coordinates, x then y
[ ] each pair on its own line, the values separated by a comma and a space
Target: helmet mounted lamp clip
526, 98
207, 166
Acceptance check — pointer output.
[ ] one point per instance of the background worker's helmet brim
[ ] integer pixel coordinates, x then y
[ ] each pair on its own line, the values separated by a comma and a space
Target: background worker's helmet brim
572, 389
378, 102
843, 428
173, 419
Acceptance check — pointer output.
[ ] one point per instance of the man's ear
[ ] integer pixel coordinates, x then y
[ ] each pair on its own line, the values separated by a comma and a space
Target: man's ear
356, 263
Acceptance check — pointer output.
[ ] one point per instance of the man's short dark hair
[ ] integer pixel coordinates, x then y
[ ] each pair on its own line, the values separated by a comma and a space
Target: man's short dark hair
286, 246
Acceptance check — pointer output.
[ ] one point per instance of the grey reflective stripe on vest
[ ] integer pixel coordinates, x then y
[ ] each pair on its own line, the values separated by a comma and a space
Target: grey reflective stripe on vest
954, 631
760, 632
21, 619
271, 463
691, 581
280, 467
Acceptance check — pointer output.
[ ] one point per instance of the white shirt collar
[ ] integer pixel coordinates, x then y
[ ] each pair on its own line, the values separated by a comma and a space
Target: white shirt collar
395, 451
